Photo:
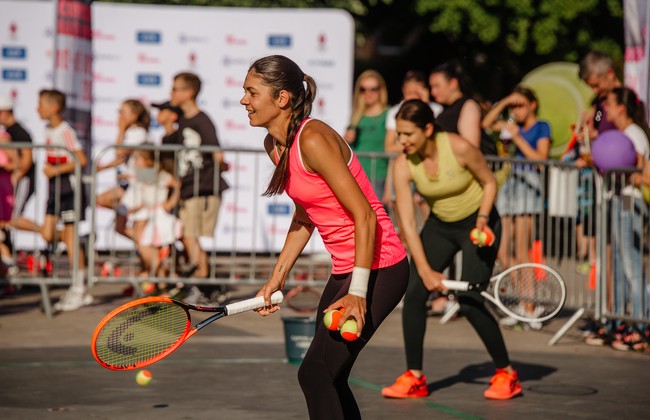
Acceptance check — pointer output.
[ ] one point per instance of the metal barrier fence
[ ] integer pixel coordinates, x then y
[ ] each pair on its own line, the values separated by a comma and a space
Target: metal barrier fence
23, 225
551, 214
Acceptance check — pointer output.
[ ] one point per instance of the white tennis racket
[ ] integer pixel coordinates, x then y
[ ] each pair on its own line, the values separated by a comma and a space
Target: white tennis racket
527, 292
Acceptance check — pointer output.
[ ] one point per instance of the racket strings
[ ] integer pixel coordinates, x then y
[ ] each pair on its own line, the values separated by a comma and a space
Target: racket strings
141, 333
530, 292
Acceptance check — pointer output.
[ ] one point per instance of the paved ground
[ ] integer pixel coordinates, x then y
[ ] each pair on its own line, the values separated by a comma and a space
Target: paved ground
237, 369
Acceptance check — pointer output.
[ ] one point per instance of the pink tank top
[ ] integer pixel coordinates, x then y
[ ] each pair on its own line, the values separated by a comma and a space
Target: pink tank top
334, 223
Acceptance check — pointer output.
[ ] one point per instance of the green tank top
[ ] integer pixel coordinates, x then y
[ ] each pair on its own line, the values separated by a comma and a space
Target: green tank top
371, 135
454, 193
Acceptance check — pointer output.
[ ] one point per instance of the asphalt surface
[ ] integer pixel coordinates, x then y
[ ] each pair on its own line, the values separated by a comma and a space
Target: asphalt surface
237, 368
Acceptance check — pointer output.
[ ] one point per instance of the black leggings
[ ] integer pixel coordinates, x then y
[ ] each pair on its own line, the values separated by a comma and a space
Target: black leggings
441, 241
324, 372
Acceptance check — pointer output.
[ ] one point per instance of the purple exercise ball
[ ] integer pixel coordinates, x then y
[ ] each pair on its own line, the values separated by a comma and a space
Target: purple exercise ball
613, 149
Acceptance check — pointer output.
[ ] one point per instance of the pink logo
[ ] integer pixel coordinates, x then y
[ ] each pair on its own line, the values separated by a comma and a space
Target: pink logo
233, 40
13, 30
233, 125
100, 35
232, 82
100, 78
322, 42
147, 59
231, 208
192, 59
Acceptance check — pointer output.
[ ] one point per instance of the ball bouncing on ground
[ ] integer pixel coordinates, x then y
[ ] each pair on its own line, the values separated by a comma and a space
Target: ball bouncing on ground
143, 377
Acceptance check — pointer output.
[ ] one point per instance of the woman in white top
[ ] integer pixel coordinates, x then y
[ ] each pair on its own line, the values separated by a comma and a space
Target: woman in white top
629, 212
133, 126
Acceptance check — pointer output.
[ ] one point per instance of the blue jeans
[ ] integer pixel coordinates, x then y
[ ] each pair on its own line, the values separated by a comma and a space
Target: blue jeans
627, 217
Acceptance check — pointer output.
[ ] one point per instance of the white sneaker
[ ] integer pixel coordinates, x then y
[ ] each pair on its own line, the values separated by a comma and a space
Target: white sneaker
508, 321
73, 300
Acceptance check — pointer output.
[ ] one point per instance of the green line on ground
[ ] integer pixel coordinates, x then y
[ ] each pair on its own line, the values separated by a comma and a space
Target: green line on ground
439, 407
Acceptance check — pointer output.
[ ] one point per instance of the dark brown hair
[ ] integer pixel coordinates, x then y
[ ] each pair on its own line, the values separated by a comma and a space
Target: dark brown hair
143, 118
191, 80
55, 96
281, 73
633, 106
417, 112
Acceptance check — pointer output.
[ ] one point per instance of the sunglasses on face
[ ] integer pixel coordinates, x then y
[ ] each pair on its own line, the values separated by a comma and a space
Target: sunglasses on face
363, 89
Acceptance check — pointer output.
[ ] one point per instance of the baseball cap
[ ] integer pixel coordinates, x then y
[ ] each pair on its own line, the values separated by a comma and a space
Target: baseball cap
169, 106
6, 103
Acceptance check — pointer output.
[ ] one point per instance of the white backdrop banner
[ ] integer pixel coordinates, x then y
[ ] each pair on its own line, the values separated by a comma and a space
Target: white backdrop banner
136, 51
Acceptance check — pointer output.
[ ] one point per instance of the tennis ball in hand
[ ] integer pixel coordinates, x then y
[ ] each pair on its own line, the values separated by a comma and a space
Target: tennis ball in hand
349, 330
332, 318
481, 237
143, 377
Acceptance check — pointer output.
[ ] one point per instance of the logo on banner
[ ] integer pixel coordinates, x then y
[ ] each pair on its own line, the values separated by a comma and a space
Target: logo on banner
278, 209
191, 58
234, 125
14, 52
235, 41
192, 39
231, 103
149, 37
16, 75
233, 82
13, 31
147, 59
149, 79
279, 41
101, 78
322, 42
100, 35
235, 61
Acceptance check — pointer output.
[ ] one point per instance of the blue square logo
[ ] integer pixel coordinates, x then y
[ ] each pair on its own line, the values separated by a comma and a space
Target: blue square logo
149, 79
149, 37
280, 41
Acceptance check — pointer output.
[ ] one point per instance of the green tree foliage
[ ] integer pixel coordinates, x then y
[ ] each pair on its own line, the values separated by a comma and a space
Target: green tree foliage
553, 28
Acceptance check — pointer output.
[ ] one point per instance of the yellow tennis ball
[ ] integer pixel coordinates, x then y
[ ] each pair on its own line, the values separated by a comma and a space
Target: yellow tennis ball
332, 318
143, 377
349, 330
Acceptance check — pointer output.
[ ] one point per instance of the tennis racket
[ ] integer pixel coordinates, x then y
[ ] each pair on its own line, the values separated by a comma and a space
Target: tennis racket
527, 292
147, 330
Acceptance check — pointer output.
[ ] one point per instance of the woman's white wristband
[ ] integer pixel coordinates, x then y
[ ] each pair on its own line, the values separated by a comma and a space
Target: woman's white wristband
359, 282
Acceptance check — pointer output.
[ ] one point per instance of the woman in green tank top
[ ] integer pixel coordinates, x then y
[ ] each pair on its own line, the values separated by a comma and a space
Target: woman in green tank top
453, 176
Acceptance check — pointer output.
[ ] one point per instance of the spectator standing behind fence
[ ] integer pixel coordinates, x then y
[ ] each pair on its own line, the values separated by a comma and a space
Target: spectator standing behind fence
200, 197
597, 71
319, 171
158, 193
133, 129
168, 117
6, 203
520, 198
366, 131
461, 114
59, 169
452, 175
21, 167
629, 217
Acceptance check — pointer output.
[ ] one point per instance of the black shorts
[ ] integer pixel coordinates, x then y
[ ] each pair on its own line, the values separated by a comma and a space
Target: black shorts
63, 207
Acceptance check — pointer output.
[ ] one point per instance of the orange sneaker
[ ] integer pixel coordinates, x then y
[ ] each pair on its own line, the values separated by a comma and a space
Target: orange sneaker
407, 386
503, 386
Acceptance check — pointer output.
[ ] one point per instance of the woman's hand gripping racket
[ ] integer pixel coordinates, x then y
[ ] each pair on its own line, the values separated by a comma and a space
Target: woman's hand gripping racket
527, 292
147, 330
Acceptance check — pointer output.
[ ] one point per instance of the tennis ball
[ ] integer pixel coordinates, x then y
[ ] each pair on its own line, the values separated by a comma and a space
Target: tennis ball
349, 330
481, 237
474, 235
486, 238
332, 318
143, 377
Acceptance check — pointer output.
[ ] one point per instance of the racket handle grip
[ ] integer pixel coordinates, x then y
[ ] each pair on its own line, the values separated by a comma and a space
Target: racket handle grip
456, 285
254, 303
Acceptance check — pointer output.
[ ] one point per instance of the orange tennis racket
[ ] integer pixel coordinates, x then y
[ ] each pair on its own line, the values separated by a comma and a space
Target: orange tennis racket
147, 330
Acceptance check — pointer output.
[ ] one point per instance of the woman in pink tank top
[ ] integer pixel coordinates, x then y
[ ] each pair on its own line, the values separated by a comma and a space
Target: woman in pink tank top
317, 169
